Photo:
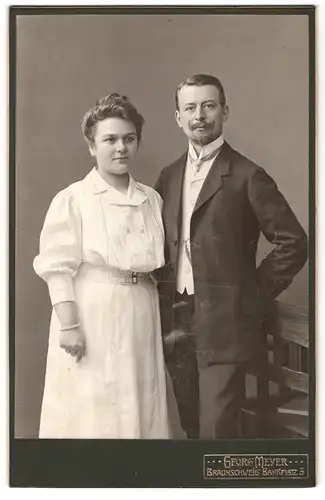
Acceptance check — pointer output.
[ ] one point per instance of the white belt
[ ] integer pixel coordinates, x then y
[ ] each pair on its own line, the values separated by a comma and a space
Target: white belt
116, 276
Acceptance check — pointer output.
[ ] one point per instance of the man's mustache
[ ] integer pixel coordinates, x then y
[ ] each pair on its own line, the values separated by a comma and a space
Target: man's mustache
201, 125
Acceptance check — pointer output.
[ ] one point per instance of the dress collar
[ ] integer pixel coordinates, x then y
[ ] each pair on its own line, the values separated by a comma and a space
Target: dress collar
134, 196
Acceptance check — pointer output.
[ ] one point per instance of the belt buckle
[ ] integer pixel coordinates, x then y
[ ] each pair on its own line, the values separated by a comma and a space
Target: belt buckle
134, 278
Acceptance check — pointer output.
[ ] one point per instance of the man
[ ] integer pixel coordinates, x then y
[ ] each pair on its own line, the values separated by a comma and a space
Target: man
216, 204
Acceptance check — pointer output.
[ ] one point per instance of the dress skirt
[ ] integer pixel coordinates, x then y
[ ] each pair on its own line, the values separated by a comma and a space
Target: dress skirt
118, 389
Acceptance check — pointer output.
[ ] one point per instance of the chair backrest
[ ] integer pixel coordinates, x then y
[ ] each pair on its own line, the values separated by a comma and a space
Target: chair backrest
277, 383
284, 385
287, 331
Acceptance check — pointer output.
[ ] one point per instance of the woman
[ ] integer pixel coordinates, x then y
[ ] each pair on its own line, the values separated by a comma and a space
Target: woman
102, 237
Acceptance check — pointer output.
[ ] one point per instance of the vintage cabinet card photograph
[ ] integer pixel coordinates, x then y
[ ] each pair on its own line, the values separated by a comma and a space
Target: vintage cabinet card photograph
162, 246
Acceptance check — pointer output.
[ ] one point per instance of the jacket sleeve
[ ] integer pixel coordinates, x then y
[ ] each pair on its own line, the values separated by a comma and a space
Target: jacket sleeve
281, 228
158, 273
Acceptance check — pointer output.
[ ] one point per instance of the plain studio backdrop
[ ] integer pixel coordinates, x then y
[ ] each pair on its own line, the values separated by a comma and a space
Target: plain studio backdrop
66, 62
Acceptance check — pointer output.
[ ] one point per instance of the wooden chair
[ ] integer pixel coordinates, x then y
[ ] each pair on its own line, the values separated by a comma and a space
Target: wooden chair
279, 407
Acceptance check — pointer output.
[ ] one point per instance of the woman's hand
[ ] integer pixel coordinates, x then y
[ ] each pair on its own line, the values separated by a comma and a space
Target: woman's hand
73, 342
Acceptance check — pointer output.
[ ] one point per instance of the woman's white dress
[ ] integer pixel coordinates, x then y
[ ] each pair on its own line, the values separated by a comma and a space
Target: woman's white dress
118, 390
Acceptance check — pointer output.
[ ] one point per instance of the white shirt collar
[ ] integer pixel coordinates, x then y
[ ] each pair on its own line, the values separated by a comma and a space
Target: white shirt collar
134, 196
217, 143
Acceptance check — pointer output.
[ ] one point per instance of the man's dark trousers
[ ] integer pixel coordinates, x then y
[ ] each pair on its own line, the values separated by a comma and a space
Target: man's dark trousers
209, 395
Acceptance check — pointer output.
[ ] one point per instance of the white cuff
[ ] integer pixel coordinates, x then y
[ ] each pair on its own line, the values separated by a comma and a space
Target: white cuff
60, 288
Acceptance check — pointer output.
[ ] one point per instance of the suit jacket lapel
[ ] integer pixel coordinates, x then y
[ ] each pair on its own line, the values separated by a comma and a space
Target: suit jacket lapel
213, 182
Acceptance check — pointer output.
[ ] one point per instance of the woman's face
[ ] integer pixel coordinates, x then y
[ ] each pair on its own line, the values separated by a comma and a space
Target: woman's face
115, 146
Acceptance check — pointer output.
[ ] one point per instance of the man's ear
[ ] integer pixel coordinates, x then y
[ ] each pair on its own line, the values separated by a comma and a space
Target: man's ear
225, 114
177, 118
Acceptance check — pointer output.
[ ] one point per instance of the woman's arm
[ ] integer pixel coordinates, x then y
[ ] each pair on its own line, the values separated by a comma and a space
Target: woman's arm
72, 338
57, 263
67, 313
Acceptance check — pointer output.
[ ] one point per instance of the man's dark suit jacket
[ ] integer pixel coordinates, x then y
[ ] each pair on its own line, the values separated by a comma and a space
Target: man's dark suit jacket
238, 201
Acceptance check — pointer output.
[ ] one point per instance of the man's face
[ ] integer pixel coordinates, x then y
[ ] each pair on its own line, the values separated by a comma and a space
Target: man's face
200, 113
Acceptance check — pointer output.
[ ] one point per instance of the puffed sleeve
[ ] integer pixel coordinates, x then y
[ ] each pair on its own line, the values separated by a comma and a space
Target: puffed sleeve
60, 251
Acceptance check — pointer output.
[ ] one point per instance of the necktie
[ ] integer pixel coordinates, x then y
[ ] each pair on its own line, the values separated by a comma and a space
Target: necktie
197, 162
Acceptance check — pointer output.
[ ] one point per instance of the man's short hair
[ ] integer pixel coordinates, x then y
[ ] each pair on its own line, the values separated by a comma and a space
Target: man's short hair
199, 80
